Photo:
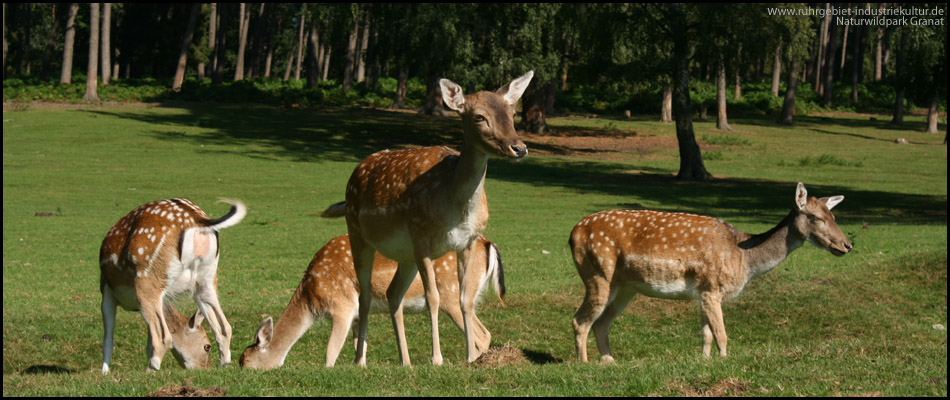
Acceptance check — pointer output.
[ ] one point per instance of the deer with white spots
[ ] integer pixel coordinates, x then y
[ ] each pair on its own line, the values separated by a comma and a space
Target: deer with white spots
329, 290
621, 253
155, 253
415, 205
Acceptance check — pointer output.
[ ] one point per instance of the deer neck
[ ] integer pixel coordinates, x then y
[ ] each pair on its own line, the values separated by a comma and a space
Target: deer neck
469, 176
292, 324
766, 250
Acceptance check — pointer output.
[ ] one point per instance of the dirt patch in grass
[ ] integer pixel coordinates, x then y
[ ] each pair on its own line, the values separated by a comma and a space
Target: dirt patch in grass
187, 391
500, 356
725, 387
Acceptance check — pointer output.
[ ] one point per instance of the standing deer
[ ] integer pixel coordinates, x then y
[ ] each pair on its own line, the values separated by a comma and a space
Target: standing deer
329, 289
155, 253
415, 205
621, 253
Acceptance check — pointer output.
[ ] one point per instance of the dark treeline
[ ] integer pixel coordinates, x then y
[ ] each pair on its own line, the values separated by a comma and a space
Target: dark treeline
619, 48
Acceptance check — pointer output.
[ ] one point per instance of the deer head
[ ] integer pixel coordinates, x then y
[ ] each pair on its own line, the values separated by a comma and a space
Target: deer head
488, 117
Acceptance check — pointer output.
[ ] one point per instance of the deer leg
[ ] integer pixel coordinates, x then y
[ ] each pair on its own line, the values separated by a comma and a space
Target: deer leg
159, 337
363, 262
595, 300
602, 324
712, 313
395, 293
108, 324
206, 296
340, 321
427, 274
468, 285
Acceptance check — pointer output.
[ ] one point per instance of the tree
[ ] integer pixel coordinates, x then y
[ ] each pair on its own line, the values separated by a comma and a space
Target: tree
244, 19
67, 72
796, 33
185, 44
105, 42
92, 72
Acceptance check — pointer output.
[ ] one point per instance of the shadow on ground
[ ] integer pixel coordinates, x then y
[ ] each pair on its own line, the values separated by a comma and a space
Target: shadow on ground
279, 134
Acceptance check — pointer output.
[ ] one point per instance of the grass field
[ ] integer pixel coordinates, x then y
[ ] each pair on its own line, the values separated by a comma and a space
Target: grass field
865, 324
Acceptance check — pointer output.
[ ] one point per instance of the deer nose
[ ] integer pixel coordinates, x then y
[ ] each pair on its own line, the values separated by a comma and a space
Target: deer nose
520, 150
847, 247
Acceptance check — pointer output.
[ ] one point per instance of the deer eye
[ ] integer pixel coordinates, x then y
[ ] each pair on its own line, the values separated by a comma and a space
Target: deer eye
207, 348
479, 118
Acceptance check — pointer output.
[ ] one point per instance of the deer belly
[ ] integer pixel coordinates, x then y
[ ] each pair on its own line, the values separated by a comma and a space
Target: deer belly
125, 297
677, 289
410, 304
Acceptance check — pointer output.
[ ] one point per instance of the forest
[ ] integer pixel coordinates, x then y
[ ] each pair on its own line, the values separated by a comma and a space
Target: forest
673, 60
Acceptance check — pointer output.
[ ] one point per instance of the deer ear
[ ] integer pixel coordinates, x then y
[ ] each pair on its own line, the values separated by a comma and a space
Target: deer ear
832, 201
452, 94
513, 90
195, 321
801, 196
266, 332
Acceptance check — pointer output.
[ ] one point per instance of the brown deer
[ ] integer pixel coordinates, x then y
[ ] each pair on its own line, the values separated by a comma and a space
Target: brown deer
415, 205
329, 290
621, 253
155, 253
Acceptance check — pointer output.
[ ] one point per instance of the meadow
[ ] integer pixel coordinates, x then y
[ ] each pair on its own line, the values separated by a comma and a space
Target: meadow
871, 323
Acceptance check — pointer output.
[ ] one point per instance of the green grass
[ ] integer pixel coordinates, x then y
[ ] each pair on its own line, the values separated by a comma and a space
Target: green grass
817, 325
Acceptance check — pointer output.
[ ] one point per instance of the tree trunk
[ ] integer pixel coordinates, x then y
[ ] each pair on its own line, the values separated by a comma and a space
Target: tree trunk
401, 87
92, 72
326, 62
844, 52
67, 72
722, 121
244, 19
314, 70
533, 107
220, 43
271, 37
666, 110
788, 108
777, 70
932, 116
879, 49
433, 103
303, 15
105, 41
820, 63
257, 41
361, 52
185, 45
857, 62
830, 64
350, 66
691, 159
50, 40
899, 80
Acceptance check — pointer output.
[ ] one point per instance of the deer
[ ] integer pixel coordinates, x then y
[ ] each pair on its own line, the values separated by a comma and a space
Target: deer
414, 205
154, 254
621, 253
329, 290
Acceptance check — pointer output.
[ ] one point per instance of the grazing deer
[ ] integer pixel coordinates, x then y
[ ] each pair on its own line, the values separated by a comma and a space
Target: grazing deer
329, 289
415, 205
621, 253
155, 253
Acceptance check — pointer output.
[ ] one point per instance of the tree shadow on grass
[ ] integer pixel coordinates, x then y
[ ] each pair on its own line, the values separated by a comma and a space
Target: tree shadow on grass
350, 135
47, 369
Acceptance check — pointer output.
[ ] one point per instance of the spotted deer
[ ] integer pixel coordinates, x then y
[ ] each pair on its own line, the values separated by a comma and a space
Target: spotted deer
155, 253
621, 253
415, 205
329, 290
